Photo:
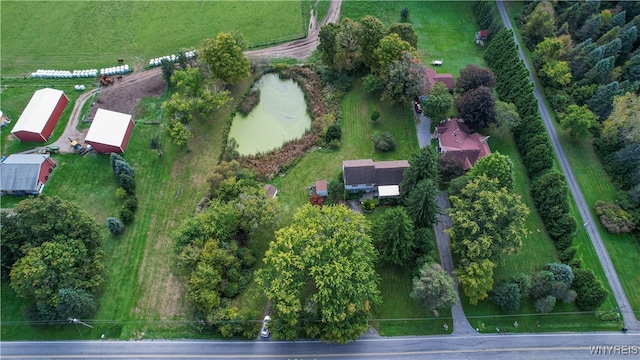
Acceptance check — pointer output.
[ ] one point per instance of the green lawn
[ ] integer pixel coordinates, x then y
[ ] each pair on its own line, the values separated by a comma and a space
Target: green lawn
537, 250
445, 29
94, 34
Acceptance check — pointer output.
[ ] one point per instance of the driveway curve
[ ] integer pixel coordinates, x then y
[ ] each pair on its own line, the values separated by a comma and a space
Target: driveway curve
630, 321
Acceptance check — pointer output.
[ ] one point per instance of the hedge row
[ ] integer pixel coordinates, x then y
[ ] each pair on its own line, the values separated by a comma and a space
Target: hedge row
549, 189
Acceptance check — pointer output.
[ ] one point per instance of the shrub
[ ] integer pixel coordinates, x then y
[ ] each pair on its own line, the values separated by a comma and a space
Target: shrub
541, 284
568, 254
457, 184
115, 226
523, 281
546, 304
334, 132
384, 141
126, 215
590, 292
316, 200
507, 296
614, 218
123, 168
113, 158
569, 296
449, 167
375, 115
368, 205
128, 183
131, 203
404, 14
121, 193
154, 143
561, 273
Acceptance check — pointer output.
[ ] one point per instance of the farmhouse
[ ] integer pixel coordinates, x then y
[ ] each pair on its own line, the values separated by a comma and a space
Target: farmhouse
454, 137
110, 131
39, 118
22, 174
368, 175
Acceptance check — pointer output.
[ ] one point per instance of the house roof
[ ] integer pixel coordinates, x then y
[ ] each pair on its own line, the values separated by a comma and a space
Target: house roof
108, 127
372, 172
359, 171
390, 172
35, 116
455, 138
321, 185
446, 79
20, 171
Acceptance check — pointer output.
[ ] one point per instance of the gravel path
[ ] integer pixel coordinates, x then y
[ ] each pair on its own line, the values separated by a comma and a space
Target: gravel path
630, 321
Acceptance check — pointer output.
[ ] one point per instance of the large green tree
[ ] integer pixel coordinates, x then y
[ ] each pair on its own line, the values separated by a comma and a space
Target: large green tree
319, 275
328, 46
406, 32
225, 58
348, 55
439, 102
579, 120
498, 166
473, 76
372, 31
423, 165
404, 79
421, 205
622, 127
393, 236
390, 49
433, 288
539, 24
487, 221
476, 279
477, 107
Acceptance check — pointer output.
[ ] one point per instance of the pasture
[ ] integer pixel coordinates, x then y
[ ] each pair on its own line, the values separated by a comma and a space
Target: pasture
94, 34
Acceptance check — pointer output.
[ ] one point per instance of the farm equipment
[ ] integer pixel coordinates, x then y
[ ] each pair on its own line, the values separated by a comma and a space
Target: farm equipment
81, 150
106, 80
50, 150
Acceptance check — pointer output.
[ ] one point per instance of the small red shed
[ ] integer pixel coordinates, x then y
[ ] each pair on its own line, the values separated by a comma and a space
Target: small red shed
110, 131
39, 118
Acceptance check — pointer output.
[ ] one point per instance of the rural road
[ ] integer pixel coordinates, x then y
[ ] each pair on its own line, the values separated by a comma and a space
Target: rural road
630, 321
489, 347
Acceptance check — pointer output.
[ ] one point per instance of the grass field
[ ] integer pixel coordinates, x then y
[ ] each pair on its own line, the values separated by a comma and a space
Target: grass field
445, 29
93, 34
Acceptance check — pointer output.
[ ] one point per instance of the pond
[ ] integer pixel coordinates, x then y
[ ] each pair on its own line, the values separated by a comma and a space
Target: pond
280, 116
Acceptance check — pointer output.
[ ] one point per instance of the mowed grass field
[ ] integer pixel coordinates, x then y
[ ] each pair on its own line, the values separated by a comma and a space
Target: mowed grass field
445, 29
68, 35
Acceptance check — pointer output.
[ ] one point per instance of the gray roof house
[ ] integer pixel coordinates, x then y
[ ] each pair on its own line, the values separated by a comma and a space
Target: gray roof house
368, 175
22, 174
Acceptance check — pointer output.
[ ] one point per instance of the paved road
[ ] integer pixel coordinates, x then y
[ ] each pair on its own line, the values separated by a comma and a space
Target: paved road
490, 347
630, 321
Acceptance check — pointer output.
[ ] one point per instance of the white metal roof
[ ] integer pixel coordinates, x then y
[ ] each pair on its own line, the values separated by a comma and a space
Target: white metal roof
108, 127
34, 117
388, 191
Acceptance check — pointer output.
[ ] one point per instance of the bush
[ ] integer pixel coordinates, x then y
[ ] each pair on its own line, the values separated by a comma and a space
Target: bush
507, 296
457, 184
154, 143
126, 215
123, 168
561, 273
115, 226
614, 218
404, 15
449, 167
368, 205
384, 141
569, 296
523, 281
316, 200
334, 132
121, 193
541, 284
568, 254
113, 158
590, 292
250, 102
128, 183
131, 203
546, 304
375, 115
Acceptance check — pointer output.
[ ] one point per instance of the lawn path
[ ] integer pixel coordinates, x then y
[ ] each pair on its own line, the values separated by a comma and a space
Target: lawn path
461, 325
630, 321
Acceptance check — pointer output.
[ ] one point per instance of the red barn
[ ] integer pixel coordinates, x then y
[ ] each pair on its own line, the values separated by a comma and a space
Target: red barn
22, 174
110, 131
39, 118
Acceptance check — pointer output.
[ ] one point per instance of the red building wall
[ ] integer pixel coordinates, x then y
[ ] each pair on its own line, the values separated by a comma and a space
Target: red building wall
55, 116
46, 168
106, 149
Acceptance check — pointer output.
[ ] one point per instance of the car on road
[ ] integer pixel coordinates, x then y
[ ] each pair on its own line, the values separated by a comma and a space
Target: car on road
264, 332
